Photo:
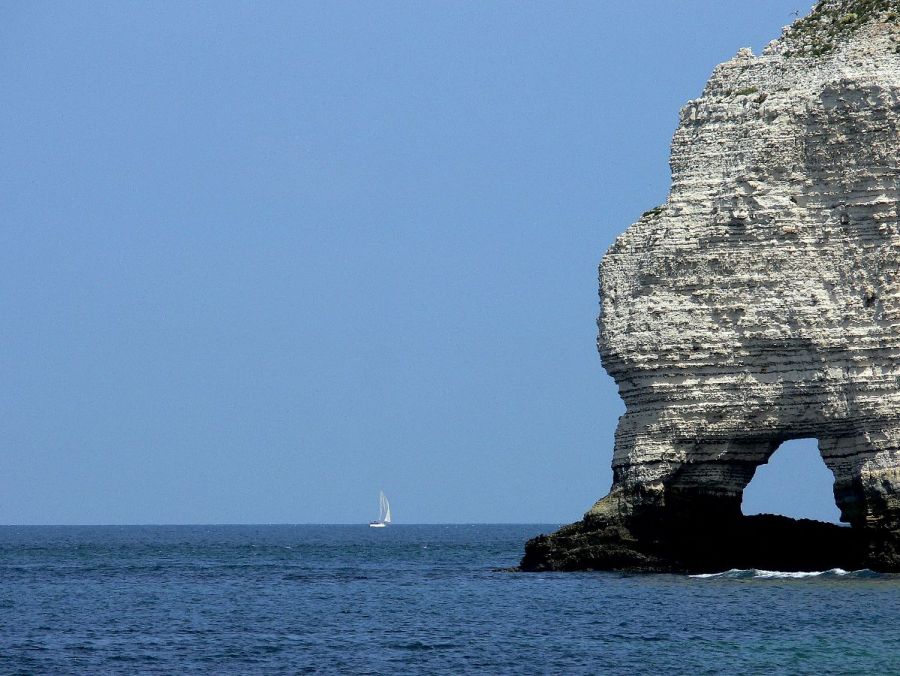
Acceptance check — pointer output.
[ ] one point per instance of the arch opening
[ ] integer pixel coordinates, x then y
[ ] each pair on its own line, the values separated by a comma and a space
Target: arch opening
794, 482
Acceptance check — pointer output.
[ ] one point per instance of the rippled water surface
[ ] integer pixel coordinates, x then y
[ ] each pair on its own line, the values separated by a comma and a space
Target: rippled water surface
408, 599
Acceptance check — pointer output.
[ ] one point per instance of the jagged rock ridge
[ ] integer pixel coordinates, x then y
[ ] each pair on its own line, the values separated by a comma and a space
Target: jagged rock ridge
761, 303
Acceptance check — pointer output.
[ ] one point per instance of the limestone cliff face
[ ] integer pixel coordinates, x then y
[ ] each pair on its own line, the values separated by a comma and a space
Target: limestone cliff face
762, 302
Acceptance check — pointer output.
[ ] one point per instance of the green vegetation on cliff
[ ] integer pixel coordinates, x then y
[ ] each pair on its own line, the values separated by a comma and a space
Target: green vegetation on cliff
832, 21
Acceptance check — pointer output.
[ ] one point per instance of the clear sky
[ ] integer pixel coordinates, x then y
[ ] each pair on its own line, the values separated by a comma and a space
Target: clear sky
260, 260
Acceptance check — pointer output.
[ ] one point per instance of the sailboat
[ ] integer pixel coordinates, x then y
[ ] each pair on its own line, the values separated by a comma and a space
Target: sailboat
384, 512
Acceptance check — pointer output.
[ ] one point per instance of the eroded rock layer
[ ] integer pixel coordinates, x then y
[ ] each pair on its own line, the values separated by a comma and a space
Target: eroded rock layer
761, 303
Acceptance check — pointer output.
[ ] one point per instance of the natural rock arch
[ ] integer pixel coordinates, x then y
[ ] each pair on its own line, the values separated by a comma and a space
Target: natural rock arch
761, 303
793, 482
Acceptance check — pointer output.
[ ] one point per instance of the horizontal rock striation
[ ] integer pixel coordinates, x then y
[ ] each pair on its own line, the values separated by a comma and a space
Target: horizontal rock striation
761, 303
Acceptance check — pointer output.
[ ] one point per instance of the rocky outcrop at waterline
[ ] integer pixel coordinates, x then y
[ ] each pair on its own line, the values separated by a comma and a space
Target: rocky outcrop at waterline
760, 303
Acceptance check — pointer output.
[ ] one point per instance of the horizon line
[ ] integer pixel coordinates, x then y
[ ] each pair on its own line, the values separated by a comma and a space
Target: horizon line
353, 523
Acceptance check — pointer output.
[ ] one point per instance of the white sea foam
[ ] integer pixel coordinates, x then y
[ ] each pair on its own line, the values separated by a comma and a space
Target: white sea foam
799, 574
760, 574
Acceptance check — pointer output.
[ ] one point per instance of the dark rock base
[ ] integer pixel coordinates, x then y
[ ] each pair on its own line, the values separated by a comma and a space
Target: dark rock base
764, 542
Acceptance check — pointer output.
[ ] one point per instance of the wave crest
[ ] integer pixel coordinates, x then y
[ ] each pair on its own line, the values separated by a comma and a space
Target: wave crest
760, 574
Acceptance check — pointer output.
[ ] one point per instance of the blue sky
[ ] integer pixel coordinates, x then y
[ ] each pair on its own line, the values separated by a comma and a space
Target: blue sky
260, 260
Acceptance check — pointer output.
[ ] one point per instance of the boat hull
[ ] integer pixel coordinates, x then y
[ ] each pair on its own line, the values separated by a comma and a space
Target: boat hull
377, 524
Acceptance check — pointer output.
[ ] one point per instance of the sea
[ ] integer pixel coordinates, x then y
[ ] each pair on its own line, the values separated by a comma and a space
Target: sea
410, 599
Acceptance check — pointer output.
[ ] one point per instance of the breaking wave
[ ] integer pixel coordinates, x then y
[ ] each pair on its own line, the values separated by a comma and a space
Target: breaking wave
759, 574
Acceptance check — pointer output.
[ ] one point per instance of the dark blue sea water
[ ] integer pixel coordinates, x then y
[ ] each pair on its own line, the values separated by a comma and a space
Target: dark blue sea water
408, 599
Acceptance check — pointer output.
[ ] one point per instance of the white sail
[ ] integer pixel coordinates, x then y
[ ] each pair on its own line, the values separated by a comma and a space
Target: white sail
384, 512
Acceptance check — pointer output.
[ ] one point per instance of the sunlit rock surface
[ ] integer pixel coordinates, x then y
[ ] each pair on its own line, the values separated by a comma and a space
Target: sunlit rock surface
761, 303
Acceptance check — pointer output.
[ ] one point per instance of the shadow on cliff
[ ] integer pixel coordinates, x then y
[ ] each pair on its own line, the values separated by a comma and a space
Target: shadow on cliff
762, 541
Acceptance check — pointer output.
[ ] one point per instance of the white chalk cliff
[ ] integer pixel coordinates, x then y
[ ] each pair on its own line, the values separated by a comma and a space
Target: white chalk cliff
761, 302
